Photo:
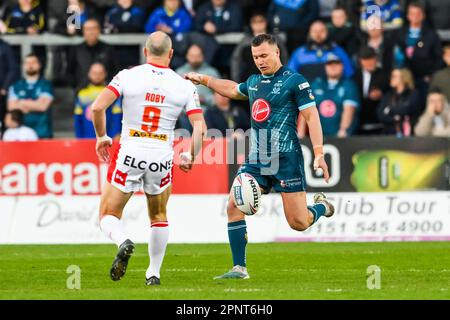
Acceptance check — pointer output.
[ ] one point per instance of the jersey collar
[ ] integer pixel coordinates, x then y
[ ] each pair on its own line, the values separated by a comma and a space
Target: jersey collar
158, 66
278, 72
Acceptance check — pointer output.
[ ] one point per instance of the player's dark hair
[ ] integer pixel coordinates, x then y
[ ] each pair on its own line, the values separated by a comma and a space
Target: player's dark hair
17, 116
265, 37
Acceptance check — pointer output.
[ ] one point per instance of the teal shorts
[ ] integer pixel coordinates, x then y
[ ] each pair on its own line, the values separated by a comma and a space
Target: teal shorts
284, 173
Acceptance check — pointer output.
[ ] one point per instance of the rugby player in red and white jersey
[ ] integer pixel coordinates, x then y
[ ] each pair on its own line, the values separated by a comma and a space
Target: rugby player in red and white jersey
153, 96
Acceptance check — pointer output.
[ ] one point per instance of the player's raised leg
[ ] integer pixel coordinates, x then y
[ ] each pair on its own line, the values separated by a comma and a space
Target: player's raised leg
299, 215
159, 234
112, 204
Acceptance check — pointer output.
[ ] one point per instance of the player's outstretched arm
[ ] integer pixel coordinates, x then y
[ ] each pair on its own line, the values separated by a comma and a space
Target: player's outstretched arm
99, 106
315, 132
226, 88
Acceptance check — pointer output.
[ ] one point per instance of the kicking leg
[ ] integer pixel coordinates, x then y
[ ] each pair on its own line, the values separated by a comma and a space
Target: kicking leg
237, 235
300, 216
159, 234
112, 204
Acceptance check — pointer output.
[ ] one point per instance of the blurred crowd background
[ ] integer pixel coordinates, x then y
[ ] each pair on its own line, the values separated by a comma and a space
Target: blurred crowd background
376, 67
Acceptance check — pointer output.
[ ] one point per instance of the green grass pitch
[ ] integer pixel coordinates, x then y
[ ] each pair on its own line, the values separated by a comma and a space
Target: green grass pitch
277, 270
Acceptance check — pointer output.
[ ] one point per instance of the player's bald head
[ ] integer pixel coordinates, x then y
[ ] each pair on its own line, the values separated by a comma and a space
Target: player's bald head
158, 44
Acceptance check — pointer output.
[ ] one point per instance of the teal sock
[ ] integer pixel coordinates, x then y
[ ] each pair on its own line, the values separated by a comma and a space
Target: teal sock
317, 210
237, 234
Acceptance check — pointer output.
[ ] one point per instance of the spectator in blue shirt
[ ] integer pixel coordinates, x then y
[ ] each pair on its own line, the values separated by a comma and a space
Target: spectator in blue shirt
337, 99
389, 11
294, 18
311, 58
218, 16
33, 95
171, 18
86, 96
286, 15
124, 17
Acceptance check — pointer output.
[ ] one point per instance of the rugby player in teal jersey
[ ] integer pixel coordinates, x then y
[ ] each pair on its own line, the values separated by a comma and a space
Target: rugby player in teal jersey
276, 97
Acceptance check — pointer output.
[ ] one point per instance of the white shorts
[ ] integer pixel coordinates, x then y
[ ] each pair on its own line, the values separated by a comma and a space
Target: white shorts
133, 166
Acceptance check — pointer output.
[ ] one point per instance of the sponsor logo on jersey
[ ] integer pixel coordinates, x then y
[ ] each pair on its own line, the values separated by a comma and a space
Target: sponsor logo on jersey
277, 88
260, 110
304, 85
291, 182
327, 108
120, 177
265, 81
143, 134
142, 165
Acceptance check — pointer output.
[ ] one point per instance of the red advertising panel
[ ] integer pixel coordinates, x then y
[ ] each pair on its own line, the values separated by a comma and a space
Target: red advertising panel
71, 167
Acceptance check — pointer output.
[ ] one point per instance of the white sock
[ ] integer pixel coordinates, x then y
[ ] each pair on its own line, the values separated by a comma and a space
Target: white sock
159, 235
112, 227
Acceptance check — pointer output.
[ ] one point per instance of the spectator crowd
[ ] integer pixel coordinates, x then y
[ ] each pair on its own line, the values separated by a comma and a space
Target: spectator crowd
375, 66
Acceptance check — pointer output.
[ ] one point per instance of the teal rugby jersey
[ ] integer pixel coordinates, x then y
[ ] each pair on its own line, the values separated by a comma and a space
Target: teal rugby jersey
275, 103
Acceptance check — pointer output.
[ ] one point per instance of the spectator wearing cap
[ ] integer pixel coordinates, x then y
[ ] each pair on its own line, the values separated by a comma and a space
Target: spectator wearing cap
400, 106
435, 121
293, 17
242, 64
421, 48
372, 81
441, 79
172, 18
389, 11
337, 99
311, 58
15, 130
33, 95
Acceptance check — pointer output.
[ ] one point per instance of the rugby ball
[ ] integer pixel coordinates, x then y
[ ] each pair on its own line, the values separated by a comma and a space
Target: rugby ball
246, 193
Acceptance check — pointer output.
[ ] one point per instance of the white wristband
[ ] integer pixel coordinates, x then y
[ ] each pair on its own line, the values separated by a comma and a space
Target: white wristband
186, 155
104, 138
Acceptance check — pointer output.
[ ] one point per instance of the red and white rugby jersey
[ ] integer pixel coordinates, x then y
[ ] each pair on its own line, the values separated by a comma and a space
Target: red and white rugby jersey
152, 99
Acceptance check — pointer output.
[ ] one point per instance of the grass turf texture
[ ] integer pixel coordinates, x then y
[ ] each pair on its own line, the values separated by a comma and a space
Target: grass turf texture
277, 270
